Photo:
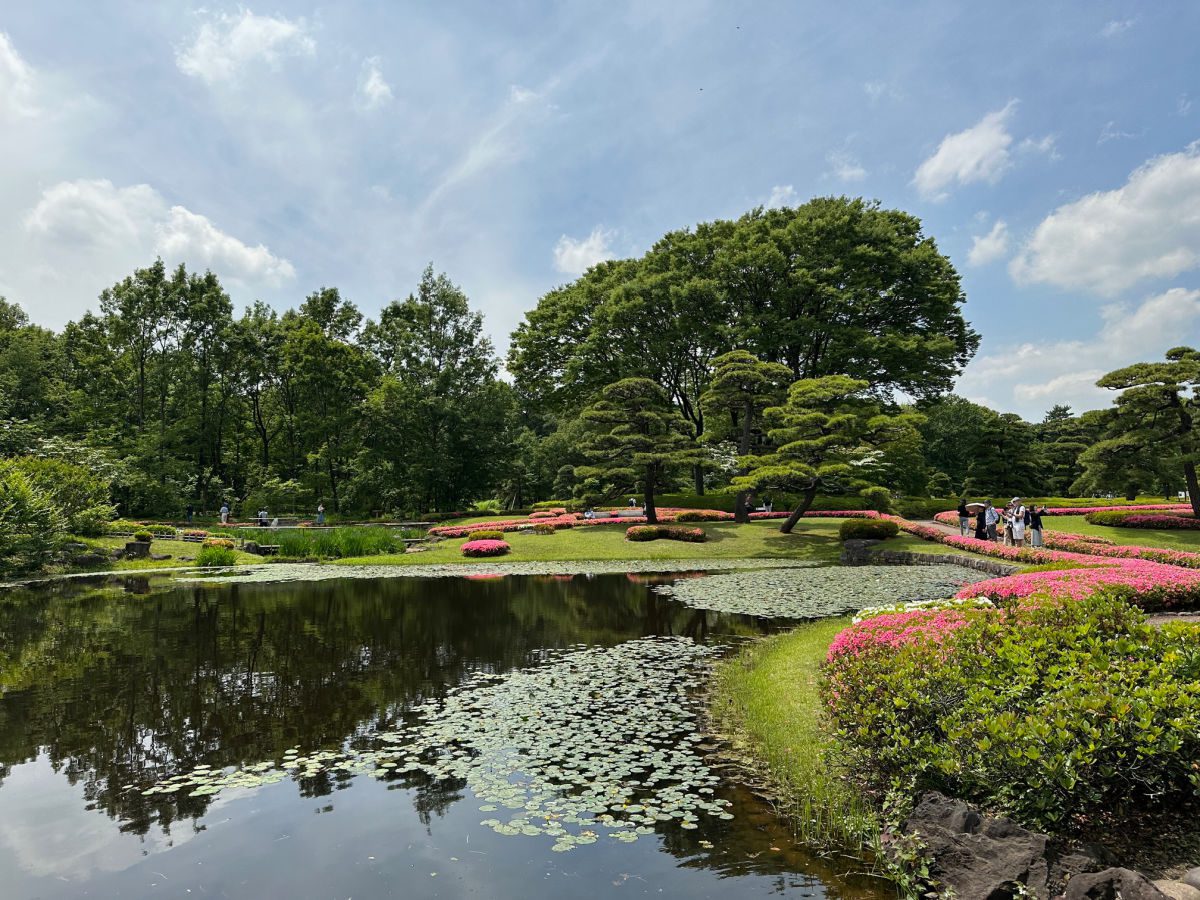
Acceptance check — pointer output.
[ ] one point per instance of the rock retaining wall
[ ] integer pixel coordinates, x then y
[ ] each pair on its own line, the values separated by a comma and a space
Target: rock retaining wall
864, 552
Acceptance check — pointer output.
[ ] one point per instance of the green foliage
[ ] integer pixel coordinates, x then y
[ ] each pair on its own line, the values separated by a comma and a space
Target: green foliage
543, 528
867, 529
1049, 712
168, 531
925, 507
210, 555
80, 496
1153, 433
487, 534
939, 485
637, 441
143, 535
30, 524
331, 543
826, 436
639, 533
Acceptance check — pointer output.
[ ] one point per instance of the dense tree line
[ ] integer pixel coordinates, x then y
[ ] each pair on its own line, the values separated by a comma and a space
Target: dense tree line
803, 349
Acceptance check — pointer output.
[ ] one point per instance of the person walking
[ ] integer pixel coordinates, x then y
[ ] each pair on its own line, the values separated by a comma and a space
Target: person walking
992, 517
191, 511
1017, 525
1035, 527
320, 513
964, 518
225, 513
262, 517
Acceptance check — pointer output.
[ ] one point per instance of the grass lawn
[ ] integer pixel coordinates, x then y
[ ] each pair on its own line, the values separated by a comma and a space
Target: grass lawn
1166, 538
813, 540
767, 701
911, 544
182, 553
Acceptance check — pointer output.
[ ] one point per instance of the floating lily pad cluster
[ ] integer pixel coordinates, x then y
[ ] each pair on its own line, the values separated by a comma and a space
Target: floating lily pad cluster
818, 592
284, 572
596, 741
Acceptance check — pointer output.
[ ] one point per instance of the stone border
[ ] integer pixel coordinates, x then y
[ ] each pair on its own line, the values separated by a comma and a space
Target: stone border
864, 553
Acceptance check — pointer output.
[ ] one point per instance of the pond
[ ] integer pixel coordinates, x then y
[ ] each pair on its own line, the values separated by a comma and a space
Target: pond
417, 737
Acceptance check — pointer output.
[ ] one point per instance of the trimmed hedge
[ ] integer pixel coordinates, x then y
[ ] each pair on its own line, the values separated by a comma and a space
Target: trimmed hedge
665, 532
867, 529
1135, 519
1047, 711
543, 528
486, 534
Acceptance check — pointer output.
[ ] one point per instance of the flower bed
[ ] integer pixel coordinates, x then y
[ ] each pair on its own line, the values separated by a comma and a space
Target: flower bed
1164, 519
485, 548
1149, 585
665, 532
1043, 711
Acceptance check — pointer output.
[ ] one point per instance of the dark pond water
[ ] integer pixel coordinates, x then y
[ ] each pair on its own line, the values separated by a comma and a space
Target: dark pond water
107, 689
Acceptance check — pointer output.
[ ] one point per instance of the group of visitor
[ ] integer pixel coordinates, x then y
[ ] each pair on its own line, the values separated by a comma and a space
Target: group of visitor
1016, 524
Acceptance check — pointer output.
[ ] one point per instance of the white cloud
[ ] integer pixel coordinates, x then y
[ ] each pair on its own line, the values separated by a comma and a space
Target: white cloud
987, 248
518, 94
192, 238
97, 223
1111, 240
225, 46
1039, 374
16, 82
846, 167
1047, 146
373, 89
879, 90
1116, 27
781, 195
980, 153
574, 257
1183, 105
1110, 132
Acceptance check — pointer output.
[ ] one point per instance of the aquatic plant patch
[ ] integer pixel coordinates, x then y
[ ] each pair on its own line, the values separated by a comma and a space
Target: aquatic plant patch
285, 572
598, 742
820, 591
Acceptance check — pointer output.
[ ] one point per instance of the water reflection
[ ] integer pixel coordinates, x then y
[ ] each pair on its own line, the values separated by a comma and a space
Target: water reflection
108, 688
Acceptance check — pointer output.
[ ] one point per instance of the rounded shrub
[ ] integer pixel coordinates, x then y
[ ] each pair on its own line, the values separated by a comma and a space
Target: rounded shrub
641, 533
1049, 712
225, 543
143, 535
167, 531
867, 529
486, 534
483, 548
211, 555
543, 528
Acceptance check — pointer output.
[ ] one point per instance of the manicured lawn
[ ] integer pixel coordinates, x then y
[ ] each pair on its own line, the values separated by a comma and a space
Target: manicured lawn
767, 701
814, 540
910, 544
182, 553
1167, 538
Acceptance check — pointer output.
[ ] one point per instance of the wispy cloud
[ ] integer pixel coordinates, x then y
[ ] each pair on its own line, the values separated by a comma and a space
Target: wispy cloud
845, 167
781, 195
373, 89
1115, 27
16, 82
987, 248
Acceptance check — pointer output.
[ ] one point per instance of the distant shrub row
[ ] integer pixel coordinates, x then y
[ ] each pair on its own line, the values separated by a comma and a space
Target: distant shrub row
665, 532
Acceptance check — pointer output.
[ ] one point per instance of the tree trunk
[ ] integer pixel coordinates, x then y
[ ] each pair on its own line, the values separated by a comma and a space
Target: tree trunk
698, 480
1193, 486
741, 503
741, 507
806, 500
651, 512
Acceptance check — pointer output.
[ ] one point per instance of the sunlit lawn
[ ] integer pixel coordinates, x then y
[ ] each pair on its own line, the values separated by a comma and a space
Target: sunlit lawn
1167, 538
814, 540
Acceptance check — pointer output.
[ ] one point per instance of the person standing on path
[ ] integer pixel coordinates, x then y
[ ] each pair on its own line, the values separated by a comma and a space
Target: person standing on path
1018, 522
964, 518
992, 517
1035, 527
225, 513
320, 513
981, 524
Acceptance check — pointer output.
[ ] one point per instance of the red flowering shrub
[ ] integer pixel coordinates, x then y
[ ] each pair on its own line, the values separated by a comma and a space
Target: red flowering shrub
485, 548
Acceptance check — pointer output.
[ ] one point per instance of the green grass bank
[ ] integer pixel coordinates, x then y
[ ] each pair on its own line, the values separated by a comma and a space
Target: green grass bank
766, 701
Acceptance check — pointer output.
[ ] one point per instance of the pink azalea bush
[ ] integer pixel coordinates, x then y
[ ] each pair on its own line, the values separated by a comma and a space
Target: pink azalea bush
1149, 585
485, 548
891, 630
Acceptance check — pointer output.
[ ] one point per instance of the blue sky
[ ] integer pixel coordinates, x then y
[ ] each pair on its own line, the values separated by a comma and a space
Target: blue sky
1048, 149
